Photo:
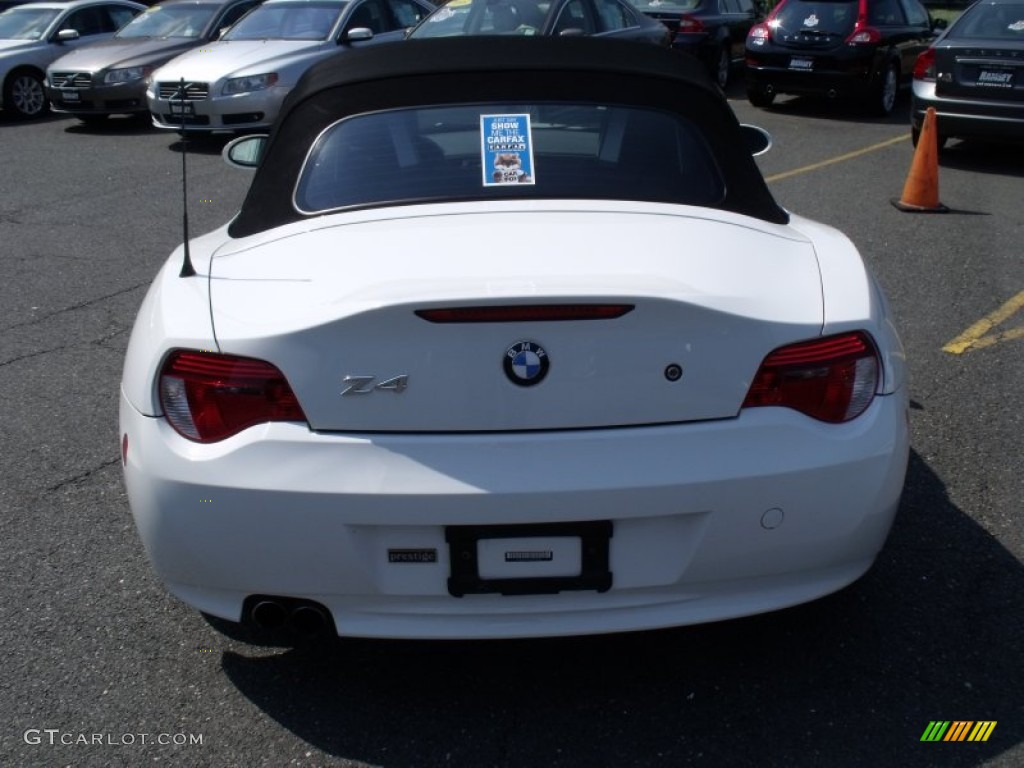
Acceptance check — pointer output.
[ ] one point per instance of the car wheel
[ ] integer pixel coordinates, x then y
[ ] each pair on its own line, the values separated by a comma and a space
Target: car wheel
760, 96
24, 94
884, 98
723, 66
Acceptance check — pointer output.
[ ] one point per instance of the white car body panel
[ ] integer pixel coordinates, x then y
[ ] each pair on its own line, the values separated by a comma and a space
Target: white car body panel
715, 305
852, 293
690, 510
739, 491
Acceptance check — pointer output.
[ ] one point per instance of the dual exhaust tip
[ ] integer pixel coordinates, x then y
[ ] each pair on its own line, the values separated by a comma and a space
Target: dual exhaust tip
305, 617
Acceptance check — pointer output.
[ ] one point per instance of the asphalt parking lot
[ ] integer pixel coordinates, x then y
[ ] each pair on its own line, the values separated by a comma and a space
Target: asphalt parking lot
103, 668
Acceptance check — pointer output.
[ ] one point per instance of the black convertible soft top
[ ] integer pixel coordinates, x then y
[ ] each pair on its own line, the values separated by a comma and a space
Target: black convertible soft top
487, 69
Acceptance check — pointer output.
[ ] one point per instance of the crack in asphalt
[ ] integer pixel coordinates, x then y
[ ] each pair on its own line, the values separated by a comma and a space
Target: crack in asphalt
82, 475
80, 305
97, 342
30, 355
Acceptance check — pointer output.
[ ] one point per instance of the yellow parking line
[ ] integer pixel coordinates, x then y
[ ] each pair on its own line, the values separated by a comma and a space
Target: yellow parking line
975, 338
837, 159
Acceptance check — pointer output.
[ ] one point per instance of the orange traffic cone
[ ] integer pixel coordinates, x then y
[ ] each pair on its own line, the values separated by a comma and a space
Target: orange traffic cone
921, 192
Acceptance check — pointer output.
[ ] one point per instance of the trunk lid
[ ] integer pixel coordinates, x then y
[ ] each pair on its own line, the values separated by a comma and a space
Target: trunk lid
335, 310
980, 72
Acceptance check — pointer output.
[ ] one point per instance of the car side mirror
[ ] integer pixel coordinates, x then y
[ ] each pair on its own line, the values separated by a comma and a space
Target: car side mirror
757, 140
245, 152
357, 34
222, 31
939, 24
67, 35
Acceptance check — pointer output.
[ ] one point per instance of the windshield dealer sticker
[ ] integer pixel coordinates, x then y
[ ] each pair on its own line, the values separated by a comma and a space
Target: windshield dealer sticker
811, 21
1017, 26
507, 147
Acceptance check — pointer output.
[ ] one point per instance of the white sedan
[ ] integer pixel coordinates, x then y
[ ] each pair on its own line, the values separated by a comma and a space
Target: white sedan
510, 339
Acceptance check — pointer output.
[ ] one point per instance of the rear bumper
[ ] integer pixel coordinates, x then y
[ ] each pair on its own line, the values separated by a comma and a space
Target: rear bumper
968, 118
853, 76
710, 521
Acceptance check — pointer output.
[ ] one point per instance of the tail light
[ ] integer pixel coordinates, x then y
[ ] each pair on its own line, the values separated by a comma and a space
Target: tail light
209, 397
833, 379
863, 33
689, 25
924, 66
759, 34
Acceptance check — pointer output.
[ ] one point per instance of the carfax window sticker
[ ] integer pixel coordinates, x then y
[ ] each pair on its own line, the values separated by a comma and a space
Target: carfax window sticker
506, 144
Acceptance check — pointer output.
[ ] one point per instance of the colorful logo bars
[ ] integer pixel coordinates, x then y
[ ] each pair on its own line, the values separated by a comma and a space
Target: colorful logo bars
958, 730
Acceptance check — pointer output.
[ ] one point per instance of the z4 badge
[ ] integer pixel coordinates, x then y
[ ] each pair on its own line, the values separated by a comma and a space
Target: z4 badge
364, 385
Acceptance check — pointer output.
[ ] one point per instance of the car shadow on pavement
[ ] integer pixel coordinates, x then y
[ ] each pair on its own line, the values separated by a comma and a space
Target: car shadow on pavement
200, 143
993, 157
116, 125
848, 111
933, 632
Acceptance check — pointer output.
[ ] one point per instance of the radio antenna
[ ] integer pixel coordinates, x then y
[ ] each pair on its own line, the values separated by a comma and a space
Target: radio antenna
187, 270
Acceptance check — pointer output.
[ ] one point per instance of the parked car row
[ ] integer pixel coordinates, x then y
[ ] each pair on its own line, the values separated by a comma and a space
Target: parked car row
227, 65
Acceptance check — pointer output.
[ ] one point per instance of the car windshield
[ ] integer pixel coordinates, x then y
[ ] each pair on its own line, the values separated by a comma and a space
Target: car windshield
820, 18
485, 17
991, 22
487, 151
173, 21
288, 21
21, 23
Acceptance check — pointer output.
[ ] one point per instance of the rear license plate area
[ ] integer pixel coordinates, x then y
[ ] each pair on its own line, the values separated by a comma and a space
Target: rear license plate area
994, 78
802, 63
532, 559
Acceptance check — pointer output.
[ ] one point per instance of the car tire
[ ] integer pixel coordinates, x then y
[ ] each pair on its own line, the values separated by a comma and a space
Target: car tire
883, 100
24, 94
760, 96
722, 66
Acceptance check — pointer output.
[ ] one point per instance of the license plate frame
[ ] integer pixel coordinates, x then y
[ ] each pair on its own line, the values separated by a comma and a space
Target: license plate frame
70, 97
182, 108
463, 553
801, 63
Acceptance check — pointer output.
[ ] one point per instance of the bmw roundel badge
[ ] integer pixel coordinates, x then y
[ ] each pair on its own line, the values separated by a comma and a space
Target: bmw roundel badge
526, 363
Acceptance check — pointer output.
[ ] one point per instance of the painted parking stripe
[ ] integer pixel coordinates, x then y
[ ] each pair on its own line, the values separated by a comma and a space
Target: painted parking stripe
979, 335
837, 159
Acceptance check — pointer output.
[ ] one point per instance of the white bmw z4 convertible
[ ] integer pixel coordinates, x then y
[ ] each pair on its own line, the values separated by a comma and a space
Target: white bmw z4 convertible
510, 339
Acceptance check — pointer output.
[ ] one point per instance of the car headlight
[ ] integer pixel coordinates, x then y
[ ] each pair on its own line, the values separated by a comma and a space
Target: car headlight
126, 75
250, 83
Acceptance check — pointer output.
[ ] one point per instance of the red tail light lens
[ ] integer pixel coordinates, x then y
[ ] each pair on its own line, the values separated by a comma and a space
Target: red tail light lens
209, 397
759, 34
864, 35
833, 379
924, 66
525, 313
689, 25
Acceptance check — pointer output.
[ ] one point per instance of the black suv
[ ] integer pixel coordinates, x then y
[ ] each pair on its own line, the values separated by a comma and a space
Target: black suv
863, 49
